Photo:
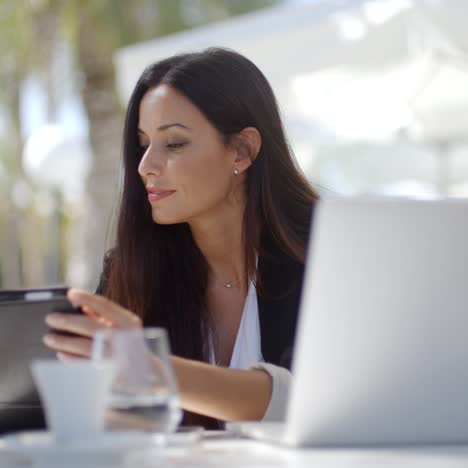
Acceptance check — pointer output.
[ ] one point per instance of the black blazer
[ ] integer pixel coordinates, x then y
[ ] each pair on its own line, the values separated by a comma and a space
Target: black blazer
278, 306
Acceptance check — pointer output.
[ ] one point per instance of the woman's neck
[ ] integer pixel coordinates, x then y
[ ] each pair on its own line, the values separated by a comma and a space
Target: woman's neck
220, 239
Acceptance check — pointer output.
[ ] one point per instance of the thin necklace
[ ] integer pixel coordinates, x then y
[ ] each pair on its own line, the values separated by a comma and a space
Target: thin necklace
227, 284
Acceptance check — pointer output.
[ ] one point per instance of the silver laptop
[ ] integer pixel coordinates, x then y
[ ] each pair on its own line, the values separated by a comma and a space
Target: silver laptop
381, 355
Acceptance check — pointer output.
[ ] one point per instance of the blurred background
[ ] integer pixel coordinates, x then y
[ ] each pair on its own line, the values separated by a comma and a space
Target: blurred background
374, 96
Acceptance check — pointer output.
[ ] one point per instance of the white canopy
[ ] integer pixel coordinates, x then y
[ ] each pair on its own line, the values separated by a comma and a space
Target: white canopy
288, 39
348, 71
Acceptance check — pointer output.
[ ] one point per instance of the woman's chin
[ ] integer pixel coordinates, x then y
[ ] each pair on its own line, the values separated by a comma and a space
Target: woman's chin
161, 218
164, 221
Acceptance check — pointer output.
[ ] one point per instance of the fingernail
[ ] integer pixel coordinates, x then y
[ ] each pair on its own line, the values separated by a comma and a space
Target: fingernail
54, 319
48, 339
73, 296
75, 293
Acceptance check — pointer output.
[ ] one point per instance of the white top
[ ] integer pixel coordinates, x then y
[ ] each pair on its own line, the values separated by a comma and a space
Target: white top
247, 348
247, 354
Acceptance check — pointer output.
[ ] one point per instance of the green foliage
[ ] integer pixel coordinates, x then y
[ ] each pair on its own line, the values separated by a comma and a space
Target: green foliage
123, 22
29, 33
25, 24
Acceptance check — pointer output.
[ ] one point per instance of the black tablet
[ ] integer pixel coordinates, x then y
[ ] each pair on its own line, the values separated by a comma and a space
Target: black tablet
22, 326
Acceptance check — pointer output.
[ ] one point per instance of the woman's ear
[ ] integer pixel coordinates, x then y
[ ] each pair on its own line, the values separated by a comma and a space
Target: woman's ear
247, 143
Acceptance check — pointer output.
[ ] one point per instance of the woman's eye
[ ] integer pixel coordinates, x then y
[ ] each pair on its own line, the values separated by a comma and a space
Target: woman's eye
174, 146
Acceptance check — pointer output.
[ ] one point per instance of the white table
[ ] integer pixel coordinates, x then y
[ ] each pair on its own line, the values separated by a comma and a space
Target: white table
228, 452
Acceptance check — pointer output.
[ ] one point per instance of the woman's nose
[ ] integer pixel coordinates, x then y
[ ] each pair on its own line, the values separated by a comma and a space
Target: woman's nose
150, 163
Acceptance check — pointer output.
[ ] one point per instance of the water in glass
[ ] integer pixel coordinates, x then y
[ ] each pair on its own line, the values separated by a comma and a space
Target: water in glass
144, 393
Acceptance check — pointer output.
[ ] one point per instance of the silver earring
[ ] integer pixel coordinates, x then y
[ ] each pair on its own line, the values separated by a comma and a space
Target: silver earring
236, 171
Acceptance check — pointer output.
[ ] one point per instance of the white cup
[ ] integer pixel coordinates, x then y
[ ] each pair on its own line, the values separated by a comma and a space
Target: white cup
74, 396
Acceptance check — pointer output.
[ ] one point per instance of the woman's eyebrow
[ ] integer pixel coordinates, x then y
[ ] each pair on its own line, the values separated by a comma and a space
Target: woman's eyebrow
166, 126
175, 124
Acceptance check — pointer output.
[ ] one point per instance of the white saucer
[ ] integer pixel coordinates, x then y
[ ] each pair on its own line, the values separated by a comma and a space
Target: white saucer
42, 447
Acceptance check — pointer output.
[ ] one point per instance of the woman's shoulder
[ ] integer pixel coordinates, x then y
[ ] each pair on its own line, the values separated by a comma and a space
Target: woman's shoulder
284, 249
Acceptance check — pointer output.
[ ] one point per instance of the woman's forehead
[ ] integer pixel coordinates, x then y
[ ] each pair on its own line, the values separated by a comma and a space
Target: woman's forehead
163, 105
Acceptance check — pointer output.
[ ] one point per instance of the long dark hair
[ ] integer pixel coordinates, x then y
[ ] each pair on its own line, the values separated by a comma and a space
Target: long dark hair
157, 271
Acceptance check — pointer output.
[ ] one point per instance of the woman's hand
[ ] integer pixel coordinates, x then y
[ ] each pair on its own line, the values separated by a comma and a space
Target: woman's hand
99, 312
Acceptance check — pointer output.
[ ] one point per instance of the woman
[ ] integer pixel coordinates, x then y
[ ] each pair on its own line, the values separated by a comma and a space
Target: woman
211, 239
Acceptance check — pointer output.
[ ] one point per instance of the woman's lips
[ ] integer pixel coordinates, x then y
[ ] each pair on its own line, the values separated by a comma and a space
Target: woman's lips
159, 195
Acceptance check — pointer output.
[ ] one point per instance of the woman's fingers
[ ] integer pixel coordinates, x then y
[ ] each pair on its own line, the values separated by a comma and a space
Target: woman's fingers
99, 313
77, 346
78, 324
103, 307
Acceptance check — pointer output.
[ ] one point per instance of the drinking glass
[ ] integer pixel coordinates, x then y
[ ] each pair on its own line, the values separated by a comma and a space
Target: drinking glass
144, 394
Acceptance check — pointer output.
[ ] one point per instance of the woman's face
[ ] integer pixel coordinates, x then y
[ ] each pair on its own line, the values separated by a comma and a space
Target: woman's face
186, 167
